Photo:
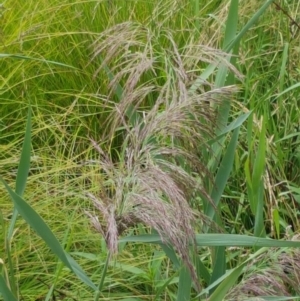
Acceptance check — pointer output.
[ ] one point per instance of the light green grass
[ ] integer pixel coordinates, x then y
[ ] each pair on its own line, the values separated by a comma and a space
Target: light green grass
48, 67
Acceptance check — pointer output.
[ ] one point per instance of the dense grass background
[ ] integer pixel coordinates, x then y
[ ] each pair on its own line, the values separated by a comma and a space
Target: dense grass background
47, 62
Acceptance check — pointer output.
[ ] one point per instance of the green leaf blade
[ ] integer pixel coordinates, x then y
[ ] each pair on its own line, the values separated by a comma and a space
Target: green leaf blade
42, 229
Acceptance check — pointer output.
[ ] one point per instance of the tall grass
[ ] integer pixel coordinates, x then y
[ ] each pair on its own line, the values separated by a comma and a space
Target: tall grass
134, 127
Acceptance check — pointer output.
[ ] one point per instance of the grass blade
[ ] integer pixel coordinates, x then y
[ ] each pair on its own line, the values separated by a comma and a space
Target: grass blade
23, 170
223, 174
255, 183
23, 57
169, 251
222, 289
211, 68
184, 286
227, 240
272, 298
230, 32
293, 87
232, 126
241, 240
22, 175
250, 23
231, 278
5, 292
24, 164
201, 269
41, 228
101, 283
219, 257
219, 264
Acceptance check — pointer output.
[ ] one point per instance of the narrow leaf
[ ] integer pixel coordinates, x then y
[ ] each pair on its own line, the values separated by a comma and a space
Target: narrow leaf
5, 291
213, 240
230, 280
184, 286
23, 57
232, 126
211, 68
41, 228
24, 164
223, 174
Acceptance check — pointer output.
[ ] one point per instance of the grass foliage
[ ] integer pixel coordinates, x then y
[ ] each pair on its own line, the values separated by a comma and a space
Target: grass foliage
149, 150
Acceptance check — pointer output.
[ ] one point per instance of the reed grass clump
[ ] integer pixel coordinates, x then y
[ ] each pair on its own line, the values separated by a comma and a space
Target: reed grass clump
157, 167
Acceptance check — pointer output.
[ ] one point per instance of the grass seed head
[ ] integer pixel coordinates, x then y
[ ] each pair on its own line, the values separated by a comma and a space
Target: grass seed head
277, 273
153, 177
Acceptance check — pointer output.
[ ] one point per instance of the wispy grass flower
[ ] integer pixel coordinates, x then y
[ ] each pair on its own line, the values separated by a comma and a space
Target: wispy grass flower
275, 273
152, 165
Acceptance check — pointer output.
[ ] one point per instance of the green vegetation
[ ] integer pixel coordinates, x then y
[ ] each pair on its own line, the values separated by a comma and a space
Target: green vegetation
149, 150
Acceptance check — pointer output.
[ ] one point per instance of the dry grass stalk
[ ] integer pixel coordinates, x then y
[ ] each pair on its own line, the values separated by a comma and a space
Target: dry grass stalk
154, 177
